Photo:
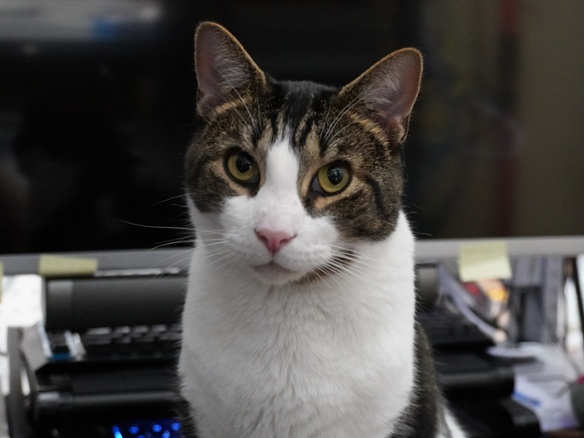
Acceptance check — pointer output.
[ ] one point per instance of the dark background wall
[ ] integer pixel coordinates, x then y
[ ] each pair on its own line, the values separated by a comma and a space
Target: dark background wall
97, 97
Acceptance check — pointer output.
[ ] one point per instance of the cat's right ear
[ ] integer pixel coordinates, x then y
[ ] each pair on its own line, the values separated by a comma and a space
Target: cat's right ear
225, 71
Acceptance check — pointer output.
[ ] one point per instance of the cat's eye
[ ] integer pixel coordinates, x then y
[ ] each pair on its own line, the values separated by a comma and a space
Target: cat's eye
242, 168
331, 179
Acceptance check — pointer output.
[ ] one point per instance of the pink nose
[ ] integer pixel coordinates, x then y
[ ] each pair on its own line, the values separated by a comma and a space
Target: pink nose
274, 239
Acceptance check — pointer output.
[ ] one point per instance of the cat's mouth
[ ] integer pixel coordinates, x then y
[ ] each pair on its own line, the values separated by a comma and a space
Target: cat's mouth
272, 268
274, 273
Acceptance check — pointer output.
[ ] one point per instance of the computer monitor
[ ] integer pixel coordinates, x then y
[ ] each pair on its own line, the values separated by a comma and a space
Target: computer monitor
97, 103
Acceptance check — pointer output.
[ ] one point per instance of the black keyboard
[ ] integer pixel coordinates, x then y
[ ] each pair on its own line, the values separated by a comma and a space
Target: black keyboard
116, 343
138, 341
447, 330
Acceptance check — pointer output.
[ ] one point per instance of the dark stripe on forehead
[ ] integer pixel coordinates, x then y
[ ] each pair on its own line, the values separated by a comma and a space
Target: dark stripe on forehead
302, 105
273, 109
299, 137
298, 101
274, 125
315, 115
323, 140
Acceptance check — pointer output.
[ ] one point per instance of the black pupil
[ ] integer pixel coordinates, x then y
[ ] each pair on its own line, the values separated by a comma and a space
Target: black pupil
243, 163
335, 175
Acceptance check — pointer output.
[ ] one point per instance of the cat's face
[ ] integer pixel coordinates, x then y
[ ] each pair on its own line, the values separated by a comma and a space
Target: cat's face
289, 178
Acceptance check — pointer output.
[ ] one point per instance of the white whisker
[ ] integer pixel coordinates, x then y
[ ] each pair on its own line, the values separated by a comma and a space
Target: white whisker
181, 242
357, 99
201, 232
219, 258
333, 274
240, 99
159, 227
212, 243
181, 196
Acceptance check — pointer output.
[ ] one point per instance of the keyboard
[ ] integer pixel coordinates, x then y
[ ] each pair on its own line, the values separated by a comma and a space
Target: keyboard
448, 331
139, 342
158, 342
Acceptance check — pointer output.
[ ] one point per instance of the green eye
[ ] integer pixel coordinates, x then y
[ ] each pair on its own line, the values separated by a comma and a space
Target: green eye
332, 178
242, 168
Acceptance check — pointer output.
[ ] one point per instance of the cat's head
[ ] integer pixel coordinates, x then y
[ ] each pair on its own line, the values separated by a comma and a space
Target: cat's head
288, 178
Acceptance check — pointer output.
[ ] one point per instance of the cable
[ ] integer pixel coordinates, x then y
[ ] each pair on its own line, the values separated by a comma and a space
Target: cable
451, 287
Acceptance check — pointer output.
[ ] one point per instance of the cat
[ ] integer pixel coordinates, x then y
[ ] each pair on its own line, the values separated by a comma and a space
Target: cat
299, 316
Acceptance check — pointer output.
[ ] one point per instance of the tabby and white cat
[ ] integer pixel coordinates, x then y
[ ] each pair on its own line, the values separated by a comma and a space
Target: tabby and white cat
299, 316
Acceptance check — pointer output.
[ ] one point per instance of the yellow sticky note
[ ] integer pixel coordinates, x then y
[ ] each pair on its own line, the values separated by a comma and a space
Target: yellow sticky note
59, 266
482, 260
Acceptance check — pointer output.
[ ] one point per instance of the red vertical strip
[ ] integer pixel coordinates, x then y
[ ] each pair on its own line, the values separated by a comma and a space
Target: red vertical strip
506, 164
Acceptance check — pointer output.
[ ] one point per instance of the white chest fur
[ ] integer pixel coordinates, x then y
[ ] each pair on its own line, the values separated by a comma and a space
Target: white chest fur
330, 358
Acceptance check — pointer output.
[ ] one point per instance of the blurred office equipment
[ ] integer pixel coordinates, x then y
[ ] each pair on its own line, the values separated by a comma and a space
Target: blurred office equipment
112, 373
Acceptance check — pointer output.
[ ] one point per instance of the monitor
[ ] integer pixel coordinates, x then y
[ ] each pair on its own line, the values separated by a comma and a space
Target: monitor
97, 103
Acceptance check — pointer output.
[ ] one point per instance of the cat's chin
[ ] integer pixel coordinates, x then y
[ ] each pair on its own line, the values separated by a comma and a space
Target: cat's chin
274, 274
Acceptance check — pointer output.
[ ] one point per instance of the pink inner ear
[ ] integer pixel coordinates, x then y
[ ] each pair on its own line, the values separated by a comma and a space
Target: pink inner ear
208, 67
222, 67
391, 88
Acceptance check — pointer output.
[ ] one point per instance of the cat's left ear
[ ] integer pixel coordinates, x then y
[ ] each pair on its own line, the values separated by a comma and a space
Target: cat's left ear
388, 91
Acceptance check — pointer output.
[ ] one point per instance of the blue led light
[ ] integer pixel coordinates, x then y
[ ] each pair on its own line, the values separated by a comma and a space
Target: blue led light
163, 428
60, 356
116, 432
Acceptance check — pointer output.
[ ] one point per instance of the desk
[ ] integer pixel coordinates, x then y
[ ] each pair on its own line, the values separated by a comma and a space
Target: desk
543, 385
21, 303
